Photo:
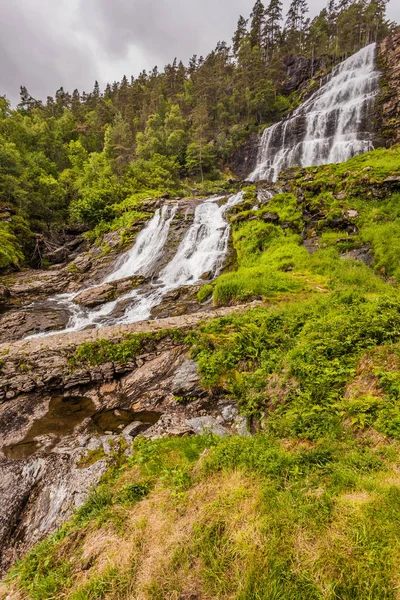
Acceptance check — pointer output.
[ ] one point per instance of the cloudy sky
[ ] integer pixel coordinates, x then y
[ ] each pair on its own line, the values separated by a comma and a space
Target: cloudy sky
46, 44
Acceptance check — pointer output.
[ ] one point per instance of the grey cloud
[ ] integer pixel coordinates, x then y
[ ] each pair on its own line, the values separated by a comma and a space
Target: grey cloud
39, 51
45, 44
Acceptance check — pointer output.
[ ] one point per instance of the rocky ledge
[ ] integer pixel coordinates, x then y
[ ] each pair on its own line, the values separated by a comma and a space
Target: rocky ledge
62, 417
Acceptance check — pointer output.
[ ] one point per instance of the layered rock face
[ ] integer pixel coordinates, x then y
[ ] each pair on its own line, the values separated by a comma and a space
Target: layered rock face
59, 421
389, 58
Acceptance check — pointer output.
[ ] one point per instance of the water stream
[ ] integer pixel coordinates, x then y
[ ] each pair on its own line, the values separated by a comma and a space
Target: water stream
332, 126
202, 250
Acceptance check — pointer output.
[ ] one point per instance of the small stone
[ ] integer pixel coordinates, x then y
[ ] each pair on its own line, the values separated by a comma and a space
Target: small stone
393, 179
270, 217
229, 412
341, 196
133, 429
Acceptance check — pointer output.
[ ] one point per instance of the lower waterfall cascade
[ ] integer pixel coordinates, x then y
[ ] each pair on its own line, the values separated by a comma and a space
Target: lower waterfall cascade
330, 127
202, 250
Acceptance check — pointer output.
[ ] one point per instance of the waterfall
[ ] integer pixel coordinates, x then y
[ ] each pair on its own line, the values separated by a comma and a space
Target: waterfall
202, 250
148, 248
330, 127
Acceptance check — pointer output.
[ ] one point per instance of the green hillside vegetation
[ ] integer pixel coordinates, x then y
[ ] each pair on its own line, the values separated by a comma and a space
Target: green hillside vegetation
90, 158
307, 508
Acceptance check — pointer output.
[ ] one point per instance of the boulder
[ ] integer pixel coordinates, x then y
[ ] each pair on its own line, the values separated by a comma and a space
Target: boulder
17, 325
107, 292
202, 425
186, 381
58, 256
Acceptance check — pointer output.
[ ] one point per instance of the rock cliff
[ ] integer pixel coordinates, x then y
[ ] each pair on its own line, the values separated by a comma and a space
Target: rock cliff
389, 60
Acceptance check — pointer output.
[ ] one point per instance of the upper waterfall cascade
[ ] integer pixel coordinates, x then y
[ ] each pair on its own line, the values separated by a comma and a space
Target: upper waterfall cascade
202, 250
330, 127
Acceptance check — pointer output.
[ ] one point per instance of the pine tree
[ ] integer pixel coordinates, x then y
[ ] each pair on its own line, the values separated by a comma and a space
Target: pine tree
96, 89
257, 24
272, 27
240, 35
296, 24
26, 100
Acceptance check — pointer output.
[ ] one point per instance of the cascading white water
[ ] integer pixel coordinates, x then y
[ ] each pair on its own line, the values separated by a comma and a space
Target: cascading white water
202, 250
330, 127
148, 248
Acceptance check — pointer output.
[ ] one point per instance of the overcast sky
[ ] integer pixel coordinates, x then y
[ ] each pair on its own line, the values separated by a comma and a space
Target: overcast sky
46, 44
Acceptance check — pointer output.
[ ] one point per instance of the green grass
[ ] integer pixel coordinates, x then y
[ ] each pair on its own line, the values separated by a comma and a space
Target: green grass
309, 507
251, 518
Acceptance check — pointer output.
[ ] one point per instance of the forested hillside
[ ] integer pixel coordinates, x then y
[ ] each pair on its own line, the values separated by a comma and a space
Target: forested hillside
89, 158
200, 394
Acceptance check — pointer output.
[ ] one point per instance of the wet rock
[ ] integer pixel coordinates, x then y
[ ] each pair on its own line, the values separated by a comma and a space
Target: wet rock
299, 71
17, 325
206, 276
107, 292
244, 160
202, 425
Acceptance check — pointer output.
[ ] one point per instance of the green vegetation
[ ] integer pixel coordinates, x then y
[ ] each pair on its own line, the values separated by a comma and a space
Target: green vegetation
103, 351
250, 518
309, 506
94, 158
272, 263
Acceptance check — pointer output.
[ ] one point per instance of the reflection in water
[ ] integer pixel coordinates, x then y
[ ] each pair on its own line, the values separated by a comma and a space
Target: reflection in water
115, 420
64, 415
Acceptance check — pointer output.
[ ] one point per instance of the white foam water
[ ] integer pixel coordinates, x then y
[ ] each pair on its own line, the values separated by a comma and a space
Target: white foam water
330, 127
201, 251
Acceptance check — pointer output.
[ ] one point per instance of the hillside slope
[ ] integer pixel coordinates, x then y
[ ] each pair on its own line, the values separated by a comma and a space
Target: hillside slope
309, 506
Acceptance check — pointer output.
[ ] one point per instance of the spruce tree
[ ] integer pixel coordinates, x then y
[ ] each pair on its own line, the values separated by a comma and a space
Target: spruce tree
257, 24
272, 27
240, 34
296, 24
